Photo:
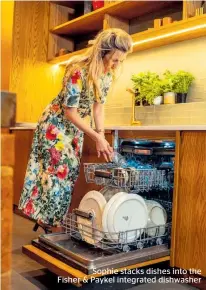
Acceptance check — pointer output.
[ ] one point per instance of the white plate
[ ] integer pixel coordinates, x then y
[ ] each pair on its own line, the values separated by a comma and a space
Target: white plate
157, 216
93, 202
106, 211
127, 212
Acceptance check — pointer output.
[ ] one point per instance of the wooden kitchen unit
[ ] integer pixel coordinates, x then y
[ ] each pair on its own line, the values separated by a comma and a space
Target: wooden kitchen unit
188, 242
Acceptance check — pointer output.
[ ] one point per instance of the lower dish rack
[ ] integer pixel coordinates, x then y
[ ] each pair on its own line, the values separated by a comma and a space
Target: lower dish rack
122, 241
70, 247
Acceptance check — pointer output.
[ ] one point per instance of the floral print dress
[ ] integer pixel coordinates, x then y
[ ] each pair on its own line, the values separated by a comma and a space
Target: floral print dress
56, 151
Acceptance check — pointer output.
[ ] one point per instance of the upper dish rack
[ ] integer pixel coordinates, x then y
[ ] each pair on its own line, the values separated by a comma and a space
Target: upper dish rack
132, 179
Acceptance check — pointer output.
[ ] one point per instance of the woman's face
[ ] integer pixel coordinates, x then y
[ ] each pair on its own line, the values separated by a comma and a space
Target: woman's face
113, 59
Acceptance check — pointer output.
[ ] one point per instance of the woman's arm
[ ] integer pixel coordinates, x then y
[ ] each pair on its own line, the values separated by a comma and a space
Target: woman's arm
102, 145
98, 113
73, 116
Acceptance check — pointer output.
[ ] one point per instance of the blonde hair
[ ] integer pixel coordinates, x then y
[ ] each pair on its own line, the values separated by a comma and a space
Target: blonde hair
105, 42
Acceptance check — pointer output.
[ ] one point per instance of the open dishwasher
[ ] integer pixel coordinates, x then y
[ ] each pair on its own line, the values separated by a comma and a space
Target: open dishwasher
141, 167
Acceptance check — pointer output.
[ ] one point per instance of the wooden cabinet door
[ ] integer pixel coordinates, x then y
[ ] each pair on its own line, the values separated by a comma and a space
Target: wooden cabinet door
189, 223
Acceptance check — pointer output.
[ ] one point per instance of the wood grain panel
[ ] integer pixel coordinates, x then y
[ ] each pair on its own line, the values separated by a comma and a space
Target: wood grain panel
58, 15
169, 34
7, 150
190, 232
189, 7
114, 22
122, 9
72, 4
7, 11
6, 209
34, 80
6, 217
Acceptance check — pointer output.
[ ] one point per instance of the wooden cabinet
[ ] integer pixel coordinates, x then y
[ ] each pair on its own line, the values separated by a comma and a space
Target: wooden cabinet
189, 222
7, 14
135, 17
7, 169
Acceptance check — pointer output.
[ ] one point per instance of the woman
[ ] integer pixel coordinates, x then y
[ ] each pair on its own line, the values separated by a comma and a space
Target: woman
57, 146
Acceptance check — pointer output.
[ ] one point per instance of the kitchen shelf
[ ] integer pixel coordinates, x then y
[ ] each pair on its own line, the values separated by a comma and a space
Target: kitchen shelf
171, 33
62, 59
94, 21
178, 31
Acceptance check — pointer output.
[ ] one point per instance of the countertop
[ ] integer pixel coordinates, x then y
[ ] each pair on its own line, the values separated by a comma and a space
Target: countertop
32, 126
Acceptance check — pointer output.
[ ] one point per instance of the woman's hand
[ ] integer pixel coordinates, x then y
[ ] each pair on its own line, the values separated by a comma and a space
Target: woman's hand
104, 148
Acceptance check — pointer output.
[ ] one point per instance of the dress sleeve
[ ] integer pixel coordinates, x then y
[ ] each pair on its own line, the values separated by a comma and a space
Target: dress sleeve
104, 88
72, 88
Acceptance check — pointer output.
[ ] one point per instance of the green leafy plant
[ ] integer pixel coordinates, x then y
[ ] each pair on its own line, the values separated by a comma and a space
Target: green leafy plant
182, 81
178, 82
147, 86
168, 82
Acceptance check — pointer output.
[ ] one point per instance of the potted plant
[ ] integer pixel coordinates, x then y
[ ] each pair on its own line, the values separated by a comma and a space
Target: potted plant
168, 88
182, 83
143, 87
154, 92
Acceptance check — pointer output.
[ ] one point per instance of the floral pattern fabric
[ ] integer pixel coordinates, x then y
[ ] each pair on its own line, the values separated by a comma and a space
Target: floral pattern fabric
56, 151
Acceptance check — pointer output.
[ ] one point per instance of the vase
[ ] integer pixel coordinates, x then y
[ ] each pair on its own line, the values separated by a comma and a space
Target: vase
158, 100
97, 4
169, 98
181, 98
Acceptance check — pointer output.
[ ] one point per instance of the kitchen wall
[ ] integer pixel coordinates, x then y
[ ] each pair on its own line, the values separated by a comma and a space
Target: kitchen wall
188, 55
36, 82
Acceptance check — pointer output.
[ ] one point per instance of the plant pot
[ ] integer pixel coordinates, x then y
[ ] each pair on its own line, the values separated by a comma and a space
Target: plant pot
145, 103
137, 103
158, 100
181, 98
97, 4
169, 98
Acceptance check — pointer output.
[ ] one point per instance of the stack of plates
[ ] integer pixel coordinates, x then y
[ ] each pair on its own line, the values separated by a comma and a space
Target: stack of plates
156, 216
124, 213
119, 217
93, 202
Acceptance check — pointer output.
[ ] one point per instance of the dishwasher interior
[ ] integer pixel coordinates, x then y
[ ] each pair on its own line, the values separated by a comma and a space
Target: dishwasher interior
140, 167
